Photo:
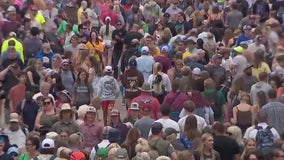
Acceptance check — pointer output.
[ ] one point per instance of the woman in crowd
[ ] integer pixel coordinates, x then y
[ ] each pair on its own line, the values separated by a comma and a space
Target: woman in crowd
95, 45
191, 135
259, 64
131, 141
205, 149
243, 113
32, 146
83, 90
33, 72
236, 133
56, 62
47, 117
250, 146
175, 72
106, 34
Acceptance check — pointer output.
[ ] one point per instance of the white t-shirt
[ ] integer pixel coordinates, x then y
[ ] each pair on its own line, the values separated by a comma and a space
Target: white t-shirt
201, 123
17, 137
252, 133
167, 123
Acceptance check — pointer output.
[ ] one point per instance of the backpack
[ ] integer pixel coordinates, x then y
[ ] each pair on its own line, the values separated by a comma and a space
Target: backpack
212, 101
158, 86
264, 139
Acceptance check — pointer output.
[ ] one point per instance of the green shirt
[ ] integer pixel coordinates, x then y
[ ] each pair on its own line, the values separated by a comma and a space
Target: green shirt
62, 28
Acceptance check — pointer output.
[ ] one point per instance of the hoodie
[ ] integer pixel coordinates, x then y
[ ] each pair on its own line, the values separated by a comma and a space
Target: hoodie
108, 88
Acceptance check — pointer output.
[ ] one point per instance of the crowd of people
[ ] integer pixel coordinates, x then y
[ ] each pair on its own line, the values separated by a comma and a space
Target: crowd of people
198, 80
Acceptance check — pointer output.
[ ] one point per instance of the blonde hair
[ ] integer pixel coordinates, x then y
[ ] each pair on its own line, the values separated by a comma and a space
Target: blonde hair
236, 134
243, 96
142, 145
202, 146
157, 67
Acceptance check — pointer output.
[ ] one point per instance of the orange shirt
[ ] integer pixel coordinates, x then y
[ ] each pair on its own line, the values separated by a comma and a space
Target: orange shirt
95, 49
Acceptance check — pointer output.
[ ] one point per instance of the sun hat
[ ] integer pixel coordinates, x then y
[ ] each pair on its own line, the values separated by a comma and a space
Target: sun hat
145, 88
121, 153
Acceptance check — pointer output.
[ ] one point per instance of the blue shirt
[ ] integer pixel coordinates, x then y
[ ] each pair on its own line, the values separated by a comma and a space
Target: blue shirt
242, 39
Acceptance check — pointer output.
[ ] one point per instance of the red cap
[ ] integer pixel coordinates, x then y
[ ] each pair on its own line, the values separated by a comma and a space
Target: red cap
147, 107
77, 156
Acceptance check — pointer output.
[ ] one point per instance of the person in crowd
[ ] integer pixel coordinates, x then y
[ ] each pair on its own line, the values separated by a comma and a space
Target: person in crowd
250, 146
83, 90
115, 122
274, 111
131, 80
259, 64
33, 73
144, 123
243, 113
32, 146
133, 114
205, 148
68, 76
174, 99
108, 92
190, 137
3, 142
165, 120
145, 63
16, 133
227, 147
47, 117
159, 82
261, 85
66, 121
214, 99
131, 141
189, 107
91, 129
47, 149
17, 93
95, 45
163, 147
27, 110
44, 91
147, 99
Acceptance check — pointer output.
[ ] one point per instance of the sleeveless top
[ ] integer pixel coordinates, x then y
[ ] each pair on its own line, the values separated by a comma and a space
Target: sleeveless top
47, 120
244, 117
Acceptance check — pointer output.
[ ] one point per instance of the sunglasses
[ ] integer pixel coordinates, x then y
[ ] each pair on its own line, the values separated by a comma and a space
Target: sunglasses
46, 103
28, 144
119, 24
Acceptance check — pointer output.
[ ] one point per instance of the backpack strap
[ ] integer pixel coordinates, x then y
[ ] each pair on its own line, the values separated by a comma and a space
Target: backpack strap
23, 104
24, 131
52, 157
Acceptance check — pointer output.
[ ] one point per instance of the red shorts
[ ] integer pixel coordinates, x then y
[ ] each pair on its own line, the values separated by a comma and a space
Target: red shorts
107, 104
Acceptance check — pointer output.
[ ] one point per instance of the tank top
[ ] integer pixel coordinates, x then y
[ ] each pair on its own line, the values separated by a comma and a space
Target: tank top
244, 117
47, 120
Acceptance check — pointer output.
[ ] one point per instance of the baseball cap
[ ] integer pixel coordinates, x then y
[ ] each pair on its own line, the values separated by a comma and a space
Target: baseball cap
47, 143
247, 27
156, 128
91, 109
196, 71
77, 155
65, 92
108, 69
51, 135
165, 49
11, 9
107, 18
145, 49
121, 153
147, 107
134, 106
239, 49
14, 117
248, 66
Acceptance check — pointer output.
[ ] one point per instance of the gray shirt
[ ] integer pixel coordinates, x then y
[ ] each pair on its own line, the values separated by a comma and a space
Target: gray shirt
275, 111
233, 19
144, 125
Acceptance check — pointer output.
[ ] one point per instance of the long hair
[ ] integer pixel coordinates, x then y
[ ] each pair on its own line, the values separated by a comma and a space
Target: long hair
78, 76
157, 67
246, 151
262, 99
31, 64
190, 128
131, 140
107, 27
96, 65
202, 146
97, 37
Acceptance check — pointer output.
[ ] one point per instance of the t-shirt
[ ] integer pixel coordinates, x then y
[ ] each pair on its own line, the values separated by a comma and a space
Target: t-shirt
226, 146
144, 125
68, 80
83, 94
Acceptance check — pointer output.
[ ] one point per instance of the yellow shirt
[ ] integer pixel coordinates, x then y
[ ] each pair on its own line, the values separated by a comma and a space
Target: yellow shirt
263, 68
157, 52
95, 48
79, 14
18, 47
186, 54
39, 18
